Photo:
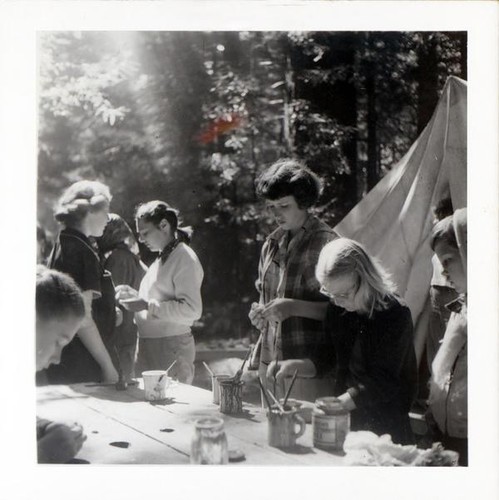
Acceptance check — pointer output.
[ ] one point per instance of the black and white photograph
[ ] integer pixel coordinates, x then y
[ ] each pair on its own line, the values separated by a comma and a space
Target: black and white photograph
252, 251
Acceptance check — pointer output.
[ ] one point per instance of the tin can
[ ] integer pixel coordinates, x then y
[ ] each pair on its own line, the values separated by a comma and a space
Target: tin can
331, 424
231, 400
215, 386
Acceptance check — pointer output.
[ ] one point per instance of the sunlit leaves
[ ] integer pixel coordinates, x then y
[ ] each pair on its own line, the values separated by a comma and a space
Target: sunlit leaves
171, 115
72, 85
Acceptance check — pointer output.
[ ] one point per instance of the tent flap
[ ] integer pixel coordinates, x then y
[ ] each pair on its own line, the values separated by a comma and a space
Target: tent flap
394, 220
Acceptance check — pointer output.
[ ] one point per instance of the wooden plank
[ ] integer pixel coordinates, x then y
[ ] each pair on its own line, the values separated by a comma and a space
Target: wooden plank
188, 403
250, 428
149, 419
101, 430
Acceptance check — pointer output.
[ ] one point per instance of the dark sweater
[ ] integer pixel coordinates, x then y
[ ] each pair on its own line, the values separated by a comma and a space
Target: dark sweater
126, 269
375, 363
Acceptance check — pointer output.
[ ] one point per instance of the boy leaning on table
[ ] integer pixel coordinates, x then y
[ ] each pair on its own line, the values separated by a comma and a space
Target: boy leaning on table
59, 313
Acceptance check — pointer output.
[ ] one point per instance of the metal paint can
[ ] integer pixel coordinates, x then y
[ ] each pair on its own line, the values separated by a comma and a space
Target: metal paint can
331, 424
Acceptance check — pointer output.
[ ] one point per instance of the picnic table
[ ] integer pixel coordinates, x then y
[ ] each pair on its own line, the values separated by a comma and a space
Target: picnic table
123, 428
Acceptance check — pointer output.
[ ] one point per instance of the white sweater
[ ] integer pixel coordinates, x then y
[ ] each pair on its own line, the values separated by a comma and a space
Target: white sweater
176, 285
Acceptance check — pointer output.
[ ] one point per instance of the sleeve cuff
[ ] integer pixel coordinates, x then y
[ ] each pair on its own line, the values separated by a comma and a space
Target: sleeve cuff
348, 398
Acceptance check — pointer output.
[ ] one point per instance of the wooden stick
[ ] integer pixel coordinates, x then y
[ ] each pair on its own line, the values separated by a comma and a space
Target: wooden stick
264, 392
246, 358
276, 369
208, 368
288, 392
276, 402
166, 371
170, 367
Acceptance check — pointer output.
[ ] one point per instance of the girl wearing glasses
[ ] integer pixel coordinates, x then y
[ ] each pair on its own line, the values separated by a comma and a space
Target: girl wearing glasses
369, 332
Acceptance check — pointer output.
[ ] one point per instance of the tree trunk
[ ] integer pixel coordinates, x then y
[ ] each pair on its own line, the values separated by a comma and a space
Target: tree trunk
427, 78
463, 41
372, 153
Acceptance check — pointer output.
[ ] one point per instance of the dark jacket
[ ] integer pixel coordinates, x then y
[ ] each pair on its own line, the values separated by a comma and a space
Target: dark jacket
74, 254
126, 269
375, 364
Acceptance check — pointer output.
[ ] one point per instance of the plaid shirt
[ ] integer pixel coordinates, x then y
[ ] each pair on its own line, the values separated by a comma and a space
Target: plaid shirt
288, 270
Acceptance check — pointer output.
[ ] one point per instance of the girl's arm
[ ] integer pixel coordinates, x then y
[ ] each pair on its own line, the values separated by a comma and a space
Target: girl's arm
91, 339
281, 309
187, 306
305, 368
391, 360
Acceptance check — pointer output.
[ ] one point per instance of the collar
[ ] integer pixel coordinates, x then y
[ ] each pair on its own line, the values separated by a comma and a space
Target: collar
168, 250
309, 225
75, 232
89, 241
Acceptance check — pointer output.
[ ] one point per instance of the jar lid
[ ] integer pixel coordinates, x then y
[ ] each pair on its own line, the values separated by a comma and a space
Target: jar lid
331, 406
209, 423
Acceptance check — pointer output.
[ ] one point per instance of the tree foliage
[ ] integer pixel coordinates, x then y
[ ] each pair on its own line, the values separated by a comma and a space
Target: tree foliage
193, 118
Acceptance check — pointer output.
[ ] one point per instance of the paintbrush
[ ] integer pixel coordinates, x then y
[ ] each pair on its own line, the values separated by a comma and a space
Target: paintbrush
208, 369
239, 373
276, 402
288, 392
166, 371
106, 384
170, 367
276, 369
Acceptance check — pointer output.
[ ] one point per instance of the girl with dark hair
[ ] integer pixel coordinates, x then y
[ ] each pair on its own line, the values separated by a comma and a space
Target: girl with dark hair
171, 290
82, 211
119, 249
286, 272
369, 341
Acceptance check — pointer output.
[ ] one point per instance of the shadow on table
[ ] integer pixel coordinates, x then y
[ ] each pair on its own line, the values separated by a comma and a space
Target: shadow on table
131, 395
79, 461
299, 449
167, 402
191, 416
244, 415
57, 396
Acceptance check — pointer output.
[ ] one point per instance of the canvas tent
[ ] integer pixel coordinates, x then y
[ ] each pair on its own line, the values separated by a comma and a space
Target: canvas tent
394, 220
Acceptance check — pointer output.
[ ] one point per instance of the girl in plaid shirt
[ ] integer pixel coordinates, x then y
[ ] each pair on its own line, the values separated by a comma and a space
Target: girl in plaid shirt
286, 273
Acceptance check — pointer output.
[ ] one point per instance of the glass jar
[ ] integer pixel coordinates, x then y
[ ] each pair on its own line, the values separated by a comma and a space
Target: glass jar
331, 424
209, 443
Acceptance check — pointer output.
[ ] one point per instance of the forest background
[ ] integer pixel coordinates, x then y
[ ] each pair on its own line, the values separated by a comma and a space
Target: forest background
192, 118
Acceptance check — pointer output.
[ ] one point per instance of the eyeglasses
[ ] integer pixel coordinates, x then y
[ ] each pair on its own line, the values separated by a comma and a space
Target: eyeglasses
344, 295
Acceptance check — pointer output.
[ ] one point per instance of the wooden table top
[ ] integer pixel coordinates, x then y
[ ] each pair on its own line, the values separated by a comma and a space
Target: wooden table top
160, 433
